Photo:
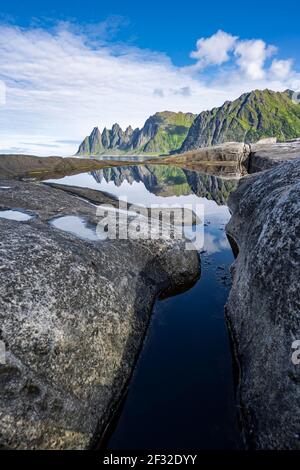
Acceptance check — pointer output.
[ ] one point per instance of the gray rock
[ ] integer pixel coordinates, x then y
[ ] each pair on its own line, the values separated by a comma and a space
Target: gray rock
30, 166
267, 140
237, 158
263, 309
294, 140
73, 317
234, 154
265, 155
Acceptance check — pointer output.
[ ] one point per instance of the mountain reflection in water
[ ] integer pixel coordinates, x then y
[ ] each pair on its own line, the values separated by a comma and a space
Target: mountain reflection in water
169, 181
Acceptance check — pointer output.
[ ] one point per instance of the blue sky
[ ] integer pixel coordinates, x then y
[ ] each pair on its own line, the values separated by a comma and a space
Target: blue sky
68, 66
170, 26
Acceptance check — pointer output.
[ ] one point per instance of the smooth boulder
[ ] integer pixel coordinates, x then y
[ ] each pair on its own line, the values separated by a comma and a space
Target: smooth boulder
73, 317
265, 155
263, 309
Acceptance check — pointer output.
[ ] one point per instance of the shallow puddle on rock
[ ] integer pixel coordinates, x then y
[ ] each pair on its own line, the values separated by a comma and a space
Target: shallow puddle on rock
77, 226
15, 215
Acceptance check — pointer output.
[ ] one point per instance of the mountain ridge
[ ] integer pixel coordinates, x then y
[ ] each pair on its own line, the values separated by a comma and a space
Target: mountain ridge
254, 115
163, 132
251, 117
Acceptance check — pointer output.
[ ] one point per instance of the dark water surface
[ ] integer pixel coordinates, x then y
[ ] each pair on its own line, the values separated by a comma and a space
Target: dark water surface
181, 395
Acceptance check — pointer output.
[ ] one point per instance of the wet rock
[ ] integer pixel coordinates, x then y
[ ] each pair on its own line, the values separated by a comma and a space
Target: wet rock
263, 307
73, 315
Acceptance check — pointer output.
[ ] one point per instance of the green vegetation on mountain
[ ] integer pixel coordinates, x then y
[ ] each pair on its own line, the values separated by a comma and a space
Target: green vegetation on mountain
168, 131
163, 133
253, 116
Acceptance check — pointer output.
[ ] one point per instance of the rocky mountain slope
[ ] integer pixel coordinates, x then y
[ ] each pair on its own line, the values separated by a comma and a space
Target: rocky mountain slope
255, 115
163, 132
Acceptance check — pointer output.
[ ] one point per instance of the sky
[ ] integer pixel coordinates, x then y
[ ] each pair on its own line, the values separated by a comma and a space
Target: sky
66, 67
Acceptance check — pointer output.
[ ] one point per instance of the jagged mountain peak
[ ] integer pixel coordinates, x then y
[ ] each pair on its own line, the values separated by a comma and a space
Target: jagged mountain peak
252, 116
116, 127
162, 133
95, 133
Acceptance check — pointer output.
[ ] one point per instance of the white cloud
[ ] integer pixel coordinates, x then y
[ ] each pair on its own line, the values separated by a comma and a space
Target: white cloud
60, 83
281, 68
59, 87
249, 56
214, 50
252, 55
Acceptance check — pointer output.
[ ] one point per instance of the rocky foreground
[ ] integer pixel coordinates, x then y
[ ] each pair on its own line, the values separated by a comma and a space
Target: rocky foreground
73, 317
266, 154
263, 309
74, 312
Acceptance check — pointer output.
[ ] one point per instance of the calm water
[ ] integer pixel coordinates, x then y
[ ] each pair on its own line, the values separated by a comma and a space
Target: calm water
75, 225
125, 158
181, 395
14, 214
